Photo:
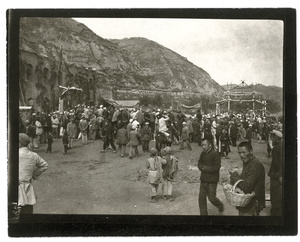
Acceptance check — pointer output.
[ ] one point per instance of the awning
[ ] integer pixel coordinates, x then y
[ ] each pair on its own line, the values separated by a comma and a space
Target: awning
25, 107
198, 105
127, 103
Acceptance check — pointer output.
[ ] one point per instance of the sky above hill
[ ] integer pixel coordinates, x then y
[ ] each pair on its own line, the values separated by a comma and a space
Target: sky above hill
229, 50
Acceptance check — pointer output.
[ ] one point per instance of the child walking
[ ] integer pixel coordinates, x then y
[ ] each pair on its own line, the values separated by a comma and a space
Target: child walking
170, 170
154, 165
72, 130
133, 143
145, 137
65, 140
50, 141
224, 149
122, 139
185, 137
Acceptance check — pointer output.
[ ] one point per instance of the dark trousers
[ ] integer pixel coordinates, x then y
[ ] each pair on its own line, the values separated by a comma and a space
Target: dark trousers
209, 190
107, 141
152, 126
44, 136
197, 138
145, 145
224, 150
276, 197
175, 135
66, 147
218, 139
49, 148
233, 141
251, 209
191, 137
27, 209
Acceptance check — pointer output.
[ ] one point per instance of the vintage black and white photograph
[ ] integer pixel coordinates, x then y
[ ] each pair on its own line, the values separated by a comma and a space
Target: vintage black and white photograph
149, 116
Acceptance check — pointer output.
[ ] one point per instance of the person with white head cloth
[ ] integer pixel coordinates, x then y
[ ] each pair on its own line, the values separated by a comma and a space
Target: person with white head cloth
100, 110
135, 123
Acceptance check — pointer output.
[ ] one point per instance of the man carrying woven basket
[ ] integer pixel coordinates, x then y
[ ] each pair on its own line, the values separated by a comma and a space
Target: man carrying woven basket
253, 176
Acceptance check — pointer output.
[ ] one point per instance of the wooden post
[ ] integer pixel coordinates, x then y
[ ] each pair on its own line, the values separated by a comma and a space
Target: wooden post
60, 105
228, 101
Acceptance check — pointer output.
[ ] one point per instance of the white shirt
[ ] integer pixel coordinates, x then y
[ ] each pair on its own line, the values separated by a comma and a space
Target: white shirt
31, 165
162, 125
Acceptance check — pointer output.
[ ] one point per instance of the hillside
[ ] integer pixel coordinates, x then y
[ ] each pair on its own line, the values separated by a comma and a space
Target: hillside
80, 46
160, 67
62, 51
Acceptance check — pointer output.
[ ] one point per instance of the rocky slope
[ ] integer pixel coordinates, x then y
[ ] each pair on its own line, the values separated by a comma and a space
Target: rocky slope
50, 46
160, 67
80, 46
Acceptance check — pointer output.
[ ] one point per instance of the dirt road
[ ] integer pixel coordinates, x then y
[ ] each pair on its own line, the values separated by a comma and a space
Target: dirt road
85, 181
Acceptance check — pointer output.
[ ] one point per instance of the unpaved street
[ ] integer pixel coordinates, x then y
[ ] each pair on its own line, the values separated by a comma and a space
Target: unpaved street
85, 181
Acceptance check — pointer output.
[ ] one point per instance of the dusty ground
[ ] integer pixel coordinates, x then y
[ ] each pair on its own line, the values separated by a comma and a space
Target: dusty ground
85, 181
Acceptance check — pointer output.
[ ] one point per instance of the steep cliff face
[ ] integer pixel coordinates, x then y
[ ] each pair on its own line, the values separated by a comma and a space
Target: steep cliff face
61, 51
160, 67
80, 46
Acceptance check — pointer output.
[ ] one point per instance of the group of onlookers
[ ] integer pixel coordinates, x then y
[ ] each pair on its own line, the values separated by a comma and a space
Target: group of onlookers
124, 127
138, 126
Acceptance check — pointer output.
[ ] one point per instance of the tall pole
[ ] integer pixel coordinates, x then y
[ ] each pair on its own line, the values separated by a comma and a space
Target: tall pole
253, 101
60, 65
228, 101
60, 101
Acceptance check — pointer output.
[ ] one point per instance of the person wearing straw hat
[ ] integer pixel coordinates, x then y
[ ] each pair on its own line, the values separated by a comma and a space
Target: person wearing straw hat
31, 166
253, 176
275, 174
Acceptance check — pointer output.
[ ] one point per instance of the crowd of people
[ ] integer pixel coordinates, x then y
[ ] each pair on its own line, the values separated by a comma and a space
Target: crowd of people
138, 126
108, 123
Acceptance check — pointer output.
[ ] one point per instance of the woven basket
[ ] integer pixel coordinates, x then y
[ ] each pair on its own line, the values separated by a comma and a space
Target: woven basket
236, 199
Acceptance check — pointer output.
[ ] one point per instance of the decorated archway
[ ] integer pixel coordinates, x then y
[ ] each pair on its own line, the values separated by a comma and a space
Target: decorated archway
241, 98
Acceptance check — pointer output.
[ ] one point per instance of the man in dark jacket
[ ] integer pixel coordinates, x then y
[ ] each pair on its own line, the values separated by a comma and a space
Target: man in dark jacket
108, 136
233, 133
196, 131
275, 174
209, 164
253, 176
199, 115
122, 139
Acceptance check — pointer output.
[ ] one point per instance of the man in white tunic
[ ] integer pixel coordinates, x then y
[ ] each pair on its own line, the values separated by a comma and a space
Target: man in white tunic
31, 166
162, 124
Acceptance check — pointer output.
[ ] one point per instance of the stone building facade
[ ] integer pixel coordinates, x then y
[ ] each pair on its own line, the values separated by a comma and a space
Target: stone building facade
41, 76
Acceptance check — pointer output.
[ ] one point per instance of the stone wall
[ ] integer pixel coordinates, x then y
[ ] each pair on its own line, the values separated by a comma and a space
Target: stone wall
41, 76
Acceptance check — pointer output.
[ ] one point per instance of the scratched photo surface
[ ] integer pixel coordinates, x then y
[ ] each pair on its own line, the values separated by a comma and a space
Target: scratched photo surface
150, 116
230, 70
